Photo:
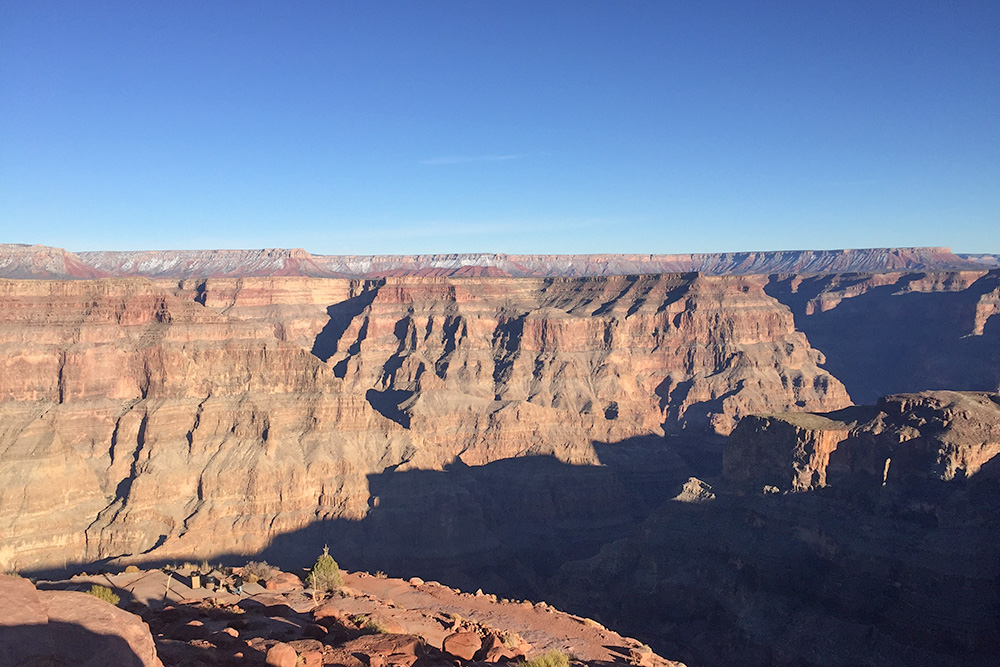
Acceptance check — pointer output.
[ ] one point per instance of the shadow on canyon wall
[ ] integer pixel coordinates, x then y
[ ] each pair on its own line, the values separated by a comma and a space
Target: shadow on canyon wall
884, 342
504, 527
862, 575
341, 315
868, 576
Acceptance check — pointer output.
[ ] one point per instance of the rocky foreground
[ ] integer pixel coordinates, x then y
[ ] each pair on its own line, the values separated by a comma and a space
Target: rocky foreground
369, 621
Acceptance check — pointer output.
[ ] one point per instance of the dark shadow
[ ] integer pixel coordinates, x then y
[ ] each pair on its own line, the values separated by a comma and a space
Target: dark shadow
341, 315
57, 643
887, 340
839, 576
388, 404
502, 527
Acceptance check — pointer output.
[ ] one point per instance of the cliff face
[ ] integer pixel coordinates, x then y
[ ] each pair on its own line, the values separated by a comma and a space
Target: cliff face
136, 420
900, 332
564, 361
175, 412
932, 435
886, 555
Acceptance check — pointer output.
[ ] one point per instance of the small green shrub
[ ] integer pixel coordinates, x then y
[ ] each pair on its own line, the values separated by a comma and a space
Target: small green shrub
549, 659
131, 569
325, 573
104, 593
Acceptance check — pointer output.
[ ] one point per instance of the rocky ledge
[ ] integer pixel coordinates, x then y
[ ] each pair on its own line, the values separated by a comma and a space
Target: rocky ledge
372, 620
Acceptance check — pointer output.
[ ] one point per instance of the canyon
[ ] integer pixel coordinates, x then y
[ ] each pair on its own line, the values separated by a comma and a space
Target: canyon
677, 446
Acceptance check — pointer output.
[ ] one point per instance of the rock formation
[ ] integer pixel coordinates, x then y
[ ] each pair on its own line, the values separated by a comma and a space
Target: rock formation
372, 620
537, 434
176, 412
932, 435
43, 627
826, 555
900, 332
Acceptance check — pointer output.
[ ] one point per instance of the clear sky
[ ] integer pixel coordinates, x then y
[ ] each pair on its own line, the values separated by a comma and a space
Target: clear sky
367, 127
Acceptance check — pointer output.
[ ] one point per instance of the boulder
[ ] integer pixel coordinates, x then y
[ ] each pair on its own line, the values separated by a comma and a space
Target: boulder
68, 627
386, 650
462, 645
281, 655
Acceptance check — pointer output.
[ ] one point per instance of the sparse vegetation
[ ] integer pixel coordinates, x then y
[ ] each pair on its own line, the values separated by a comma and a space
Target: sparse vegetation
325, 573
548, 659
367, 622
510, 639
104, 593
254, 571
380, 575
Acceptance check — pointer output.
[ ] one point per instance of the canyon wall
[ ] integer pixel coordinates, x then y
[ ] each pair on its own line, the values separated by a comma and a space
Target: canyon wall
863, 537
899, 332
549, 437
195, 417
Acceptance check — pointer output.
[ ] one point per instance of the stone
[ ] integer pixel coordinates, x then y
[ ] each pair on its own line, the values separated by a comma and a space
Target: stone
387, 650
189, 375
462, 645
281, 655
68, 627
312, 659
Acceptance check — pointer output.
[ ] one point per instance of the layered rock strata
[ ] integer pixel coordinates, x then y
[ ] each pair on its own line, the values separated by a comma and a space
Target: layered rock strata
900, 332
931, 435
176, 412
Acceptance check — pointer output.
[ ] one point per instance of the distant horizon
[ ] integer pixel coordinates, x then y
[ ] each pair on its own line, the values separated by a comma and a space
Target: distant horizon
491, 252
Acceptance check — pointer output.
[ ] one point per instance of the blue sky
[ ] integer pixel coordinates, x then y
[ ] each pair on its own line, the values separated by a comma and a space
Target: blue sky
528, 127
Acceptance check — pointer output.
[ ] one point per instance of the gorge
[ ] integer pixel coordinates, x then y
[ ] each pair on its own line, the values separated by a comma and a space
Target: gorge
677, 446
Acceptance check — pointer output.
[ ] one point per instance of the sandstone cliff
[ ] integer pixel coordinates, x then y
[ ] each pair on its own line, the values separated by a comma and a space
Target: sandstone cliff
932, 435
900, 332
175, 413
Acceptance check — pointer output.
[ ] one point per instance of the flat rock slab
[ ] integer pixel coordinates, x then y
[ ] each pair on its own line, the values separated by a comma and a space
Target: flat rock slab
69, 628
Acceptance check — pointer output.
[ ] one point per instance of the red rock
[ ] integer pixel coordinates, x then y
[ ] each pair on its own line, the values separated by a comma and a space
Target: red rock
312, 659
286, 581
68, 627
315, 630
328, 610
388, 650
281, 655
462, 645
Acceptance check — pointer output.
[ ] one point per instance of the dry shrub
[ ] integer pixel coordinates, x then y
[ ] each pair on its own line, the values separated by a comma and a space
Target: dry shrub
104, 593
254, 572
